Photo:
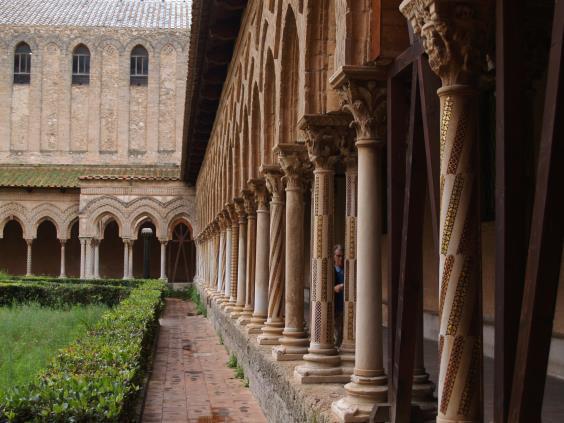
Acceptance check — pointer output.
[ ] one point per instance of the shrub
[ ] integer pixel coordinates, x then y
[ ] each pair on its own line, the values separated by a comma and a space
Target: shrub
56, 295
130, 283
194, 296
239, 372
97, 377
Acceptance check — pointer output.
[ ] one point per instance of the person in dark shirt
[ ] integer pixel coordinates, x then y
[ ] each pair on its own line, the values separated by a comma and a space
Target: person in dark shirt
339, 299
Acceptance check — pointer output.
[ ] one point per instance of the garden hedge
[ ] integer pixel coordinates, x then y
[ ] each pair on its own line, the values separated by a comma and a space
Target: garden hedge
55, 294
131, 283
96, 378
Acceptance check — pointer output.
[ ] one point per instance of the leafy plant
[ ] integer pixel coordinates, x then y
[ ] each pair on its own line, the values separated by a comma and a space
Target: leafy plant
239, 372
232, 362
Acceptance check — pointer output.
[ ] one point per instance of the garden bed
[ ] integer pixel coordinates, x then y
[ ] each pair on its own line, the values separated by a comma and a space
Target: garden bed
96, 377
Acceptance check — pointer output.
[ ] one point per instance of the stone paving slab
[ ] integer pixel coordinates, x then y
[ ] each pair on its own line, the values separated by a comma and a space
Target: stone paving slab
190, 381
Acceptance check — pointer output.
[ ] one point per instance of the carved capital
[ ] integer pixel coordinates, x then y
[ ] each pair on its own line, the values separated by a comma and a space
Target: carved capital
231, 214
258, 187
273, 176
240, 214
453, 34
293, 161
249, 200
362, 90
324, 135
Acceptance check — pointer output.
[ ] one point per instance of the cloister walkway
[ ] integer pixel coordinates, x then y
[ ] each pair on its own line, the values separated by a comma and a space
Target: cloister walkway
190, 381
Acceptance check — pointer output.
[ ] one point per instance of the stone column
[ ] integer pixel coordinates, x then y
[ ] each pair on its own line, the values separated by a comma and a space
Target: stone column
88, 268
96, 247
324, 133
125, 259
163, 259
241, 261
130, 260
232, 294
272, 329
294, 341
348, 151
28, 262
82, 258
260, 310
63, 273
453, 34
227, 258
220, 266
250, 209
363, 95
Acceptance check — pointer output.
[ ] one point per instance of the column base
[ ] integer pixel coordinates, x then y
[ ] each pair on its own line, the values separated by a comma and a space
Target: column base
422, 396
322, 365
271, 333
363, 394
347, 362
245, 318
293, 345
256, 324
353, 412
236, 311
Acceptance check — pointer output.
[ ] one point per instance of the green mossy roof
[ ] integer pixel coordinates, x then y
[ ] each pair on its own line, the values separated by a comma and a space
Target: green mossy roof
41, 176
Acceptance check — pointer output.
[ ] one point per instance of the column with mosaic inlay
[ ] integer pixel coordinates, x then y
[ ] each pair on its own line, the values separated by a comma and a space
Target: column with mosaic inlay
324, 133
294, 341
250, 209
260, 311
363, 95
221, 257
454, 35
272, 329
226, 291
231, 291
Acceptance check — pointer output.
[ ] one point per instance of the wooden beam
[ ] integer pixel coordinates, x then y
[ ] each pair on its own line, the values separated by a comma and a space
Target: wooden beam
545, 245
398, 110
406, 58
429, 83
512, 187
411, 265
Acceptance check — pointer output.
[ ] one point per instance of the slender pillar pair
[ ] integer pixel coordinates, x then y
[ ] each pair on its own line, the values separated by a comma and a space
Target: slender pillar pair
324, 134
250, 210
28, 262
240, 288
294, 341
260, 312
363, 95
274, 325
457, 28
63, 272
231, 289
221, 257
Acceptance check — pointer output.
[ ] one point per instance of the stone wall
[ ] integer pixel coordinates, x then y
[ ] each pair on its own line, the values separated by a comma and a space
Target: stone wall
52, 120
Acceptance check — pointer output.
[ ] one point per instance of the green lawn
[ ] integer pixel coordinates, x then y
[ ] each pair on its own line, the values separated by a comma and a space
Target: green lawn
30, 335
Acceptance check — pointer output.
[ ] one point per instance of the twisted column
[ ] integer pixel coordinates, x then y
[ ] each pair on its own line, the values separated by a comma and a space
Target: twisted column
323, 135
63, 267
272, 329
347, 349
294, 342
258, 186
250, 210
363, 95
28, 263
241, 261
453, 34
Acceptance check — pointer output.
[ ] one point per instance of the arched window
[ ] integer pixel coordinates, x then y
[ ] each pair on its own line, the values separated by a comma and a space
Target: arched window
81, 65
22, 64
139, 66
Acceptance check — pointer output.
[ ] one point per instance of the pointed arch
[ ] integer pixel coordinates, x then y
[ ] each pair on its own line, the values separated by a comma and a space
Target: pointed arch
269, 109
289, 80
256, 131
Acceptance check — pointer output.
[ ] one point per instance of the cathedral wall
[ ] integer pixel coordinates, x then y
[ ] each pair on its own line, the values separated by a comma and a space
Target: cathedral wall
107, 120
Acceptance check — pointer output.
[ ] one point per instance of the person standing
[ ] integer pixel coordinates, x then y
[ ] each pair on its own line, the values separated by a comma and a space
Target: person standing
339, 299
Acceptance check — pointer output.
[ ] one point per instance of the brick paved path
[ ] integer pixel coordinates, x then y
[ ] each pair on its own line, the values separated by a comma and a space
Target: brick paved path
190, 381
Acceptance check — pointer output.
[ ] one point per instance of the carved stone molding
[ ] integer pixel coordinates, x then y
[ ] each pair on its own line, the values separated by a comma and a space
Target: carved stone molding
325, 134
293, 161
249, 200
274, 183
362, 90
239, 210
453, 34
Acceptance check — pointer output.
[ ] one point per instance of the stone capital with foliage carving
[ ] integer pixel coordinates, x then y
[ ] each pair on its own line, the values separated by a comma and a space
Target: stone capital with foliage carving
453, 34
294, 163
362, 90
258, 188
325, 134
274, 183
249, 201
240, 213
